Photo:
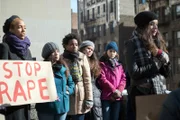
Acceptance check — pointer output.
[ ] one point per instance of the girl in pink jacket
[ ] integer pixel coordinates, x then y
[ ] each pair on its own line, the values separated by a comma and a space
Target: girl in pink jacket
112, 82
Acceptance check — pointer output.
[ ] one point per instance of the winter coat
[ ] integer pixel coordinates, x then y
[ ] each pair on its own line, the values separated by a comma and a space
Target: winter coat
111, 79
142, 67
171, 106
63, 84
20, 112
83, 89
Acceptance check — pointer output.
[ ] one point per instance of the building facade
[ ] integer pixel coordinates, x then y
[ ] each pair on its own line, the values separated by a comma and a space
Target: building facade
102, 21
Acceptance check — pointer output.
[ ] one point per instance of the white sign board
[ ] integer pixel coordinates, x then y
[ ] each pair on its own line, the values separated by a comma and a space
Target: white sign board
24, 82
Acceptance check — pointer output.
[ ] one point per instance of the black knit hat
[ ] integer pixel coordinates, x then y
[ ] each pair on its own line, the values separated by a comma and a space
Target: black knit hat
143, 18
48, 49
8, 23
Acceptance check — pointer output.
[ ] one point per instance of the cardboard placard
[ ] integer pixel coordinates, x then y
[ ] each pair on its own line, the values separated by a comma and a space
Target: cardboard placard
25, 82
148, 107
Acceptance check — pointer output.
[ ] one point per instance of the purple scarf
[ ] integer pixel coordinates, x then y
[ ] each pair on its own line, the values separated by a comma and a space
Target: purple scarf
17, 45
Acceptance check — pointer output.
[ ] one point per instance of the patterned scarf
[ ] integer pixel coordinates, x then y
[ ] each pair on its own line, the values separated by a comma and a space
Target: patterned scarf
17, 45
73, 66
73, 56
143, 57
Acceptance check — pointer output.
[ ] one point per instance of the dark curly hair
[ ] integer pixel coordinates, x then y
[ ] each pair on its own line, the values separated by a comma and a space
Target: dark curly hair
68, 38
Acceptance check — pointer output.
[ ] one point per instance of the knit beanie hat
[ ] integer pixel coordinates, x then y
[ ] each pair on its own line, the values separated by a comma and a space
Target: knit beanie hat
87, 43
8, 23
143, 18
48, 49
112, 45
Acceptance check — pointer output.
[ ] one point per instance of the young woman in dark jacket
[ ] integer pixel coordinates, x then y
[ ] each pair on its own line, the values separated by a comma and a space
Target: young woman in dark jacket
87, 47
146, 57
15, 46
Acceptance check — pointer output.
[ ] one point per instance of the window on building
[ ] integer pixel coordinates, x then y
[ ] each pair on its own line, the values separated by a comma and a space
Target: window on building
98, 9
104, 7
82, 34
165, 35
99, 30
178, 37
105, 45
99, 47
176, 11
142, 1
157, 13
178, 65
82, 17
111, 27
87, 14
93, 13
111, 7
104, 29
94, 29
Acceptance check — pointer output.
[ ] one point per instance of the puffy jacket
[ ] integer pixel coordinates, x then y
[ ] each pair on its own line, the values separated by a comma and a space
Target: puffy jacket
111, 79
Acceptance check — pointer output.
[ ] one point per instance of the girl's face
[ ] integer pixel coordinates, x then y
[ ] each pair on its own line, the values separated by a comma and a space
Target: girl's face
88, 51
18, 28
72, 45
54, 57
111, 53
153, 25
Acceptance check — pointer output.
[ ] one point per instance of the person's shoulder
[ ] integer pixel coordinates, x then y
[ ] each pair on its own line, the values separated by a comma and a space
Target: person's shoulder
175, 93
81, 55
173, 97
4, 45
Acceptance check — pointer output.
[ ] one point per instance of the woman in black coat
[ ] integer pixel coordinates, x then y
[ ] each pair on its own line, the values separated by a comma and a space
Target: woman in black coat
15, 46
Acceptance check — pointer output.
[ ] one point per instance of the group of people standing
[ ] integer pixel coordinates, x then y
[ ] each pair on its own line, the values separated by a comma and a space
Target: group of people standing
87, 87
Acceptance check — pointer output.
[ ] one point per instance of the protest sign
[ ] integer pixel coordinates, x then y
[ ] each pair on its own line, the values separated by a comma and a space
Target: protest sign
25, 82
148, 107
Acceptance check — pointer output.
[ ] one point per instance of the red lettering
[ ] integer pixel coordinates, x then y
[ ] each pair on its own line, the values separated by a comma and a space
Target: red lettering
41, 88
28, 69
7, 70
17, 92
18, 65
5, 91
37, 67
30, 86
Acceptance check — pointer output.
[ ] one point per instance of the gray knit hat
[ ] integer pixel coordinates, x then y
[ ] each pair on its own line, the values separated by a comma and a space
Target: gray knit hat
87, 43
49, 48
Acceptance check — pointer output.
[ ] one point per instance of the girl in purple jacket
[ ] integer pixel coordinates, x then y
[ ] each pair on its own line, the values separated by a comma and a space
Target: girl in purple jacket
112, 82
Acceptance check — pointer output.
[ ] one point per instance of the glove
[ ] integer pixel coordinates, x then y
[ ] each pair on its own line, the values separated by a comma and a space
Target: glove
117, 94
164, 57
88, 104
67, 90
